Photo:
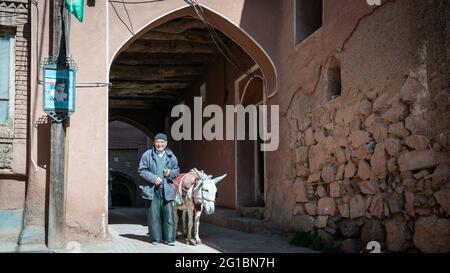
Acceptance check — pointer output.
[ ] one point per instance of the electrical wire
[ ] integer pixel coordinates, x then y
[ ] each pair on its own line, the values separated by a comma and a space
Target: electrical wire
220, 44
39, 81
120, 18
199, 11
218, 41
129, 19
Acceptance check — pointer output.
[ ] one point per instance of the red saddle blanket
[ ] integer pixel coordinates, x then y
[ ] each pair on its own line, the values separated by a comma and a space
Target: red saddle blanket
178, 181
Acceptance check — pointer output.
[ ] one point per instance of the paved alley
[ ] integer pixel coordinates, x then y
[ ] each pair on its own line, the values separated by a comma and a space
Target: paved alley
128, 234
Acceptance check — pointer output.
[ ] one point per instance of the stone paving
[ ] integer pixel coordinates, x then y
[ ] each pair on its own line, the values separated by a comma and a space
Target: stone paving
128, 234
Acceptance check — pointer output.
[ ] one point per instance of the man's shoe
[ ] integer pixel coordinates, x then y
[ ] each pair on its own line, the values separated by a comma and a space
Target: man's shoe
155, 243
169, 244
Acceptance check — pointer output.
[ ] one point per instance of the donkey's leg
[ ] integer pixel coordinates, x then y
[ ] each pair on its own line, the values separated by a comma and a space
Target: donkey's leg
190, 210
175, 219
196, 226
183, 215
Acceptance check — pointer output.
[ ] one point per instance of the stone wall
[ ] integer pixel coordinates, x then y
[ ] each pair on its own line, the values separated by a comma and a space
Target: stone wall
372, 164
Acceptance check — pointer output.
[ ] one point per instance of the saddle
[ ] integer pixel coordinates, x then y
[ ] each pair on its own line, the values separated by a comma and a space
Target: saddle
184, 184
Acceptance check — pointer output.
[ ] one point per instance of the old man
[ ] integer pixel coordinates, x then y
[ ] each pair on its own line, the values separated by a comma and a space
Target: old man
158, 166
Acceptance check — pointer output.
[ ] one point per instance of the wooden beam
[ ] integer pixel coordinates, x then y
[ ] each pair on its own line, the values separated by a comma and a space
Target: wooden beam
148, 73
141, 103
136, 58
181, 25
142, 92
117, 85
191, 35
58, 172
151, 46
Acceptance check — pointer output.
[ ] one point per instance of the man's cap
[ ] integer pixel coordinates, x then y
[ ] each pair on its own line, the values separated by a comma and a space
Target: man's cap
161, 136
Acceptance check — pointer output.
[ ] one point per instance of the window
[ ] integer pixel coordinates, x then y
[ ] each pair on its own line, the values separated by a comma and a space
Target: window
334, 78
6, 76
308, 18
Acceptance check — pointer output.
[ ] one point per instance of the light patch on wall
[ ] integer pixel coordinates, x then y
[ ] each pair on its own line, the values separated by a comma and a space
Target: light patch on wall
203, 92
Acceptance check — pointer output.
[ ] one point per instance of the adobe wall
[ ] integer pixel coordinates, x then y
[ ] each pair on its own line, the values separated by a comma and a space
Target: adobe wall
93, 45
371, 164
87, 139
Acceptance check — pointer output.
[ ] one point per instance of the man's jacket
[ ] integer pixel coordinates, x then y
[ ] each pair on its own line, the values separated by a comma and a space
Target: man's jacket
148, 168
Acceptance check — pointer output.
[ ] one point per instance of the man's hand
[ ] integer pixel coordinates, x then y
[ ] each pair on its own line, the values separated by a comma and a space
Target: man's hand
166, 172
158, 181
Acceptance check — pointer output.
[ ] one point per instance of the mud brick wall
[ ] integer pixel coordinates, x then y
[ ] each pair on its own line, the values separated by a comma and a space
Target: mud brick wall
371, 162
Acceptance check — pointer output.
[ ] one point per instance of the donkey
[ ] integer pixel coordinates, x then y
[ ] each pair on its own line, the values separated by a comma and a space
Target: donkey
196, 191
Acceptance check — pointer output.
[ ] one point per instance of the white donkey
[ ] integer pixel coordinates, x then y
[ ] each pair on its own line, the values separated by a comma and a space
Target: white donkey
196, 192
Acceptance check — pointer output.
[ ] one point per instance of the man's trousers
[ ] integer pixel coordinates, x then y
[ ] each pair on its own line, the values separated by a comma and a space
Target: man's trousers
160, 218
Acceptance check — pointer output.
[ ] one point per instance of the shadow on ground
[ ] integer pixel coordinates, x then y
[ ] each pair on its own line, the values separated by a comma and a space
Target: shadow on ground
142, 238
131, 223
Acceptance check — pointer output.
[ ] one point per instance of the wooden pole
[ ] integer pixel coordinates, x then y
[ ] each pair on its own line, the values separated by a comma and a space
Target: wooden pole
57, 191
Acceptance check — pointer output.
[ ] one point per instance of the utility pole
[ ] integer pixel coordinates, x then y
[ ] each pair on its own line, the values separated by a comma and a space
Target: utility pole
57, 191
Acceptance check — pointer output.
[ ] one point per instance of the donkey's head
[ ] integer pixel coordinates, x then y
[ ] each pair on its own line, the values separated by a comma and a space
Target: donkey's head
206, 190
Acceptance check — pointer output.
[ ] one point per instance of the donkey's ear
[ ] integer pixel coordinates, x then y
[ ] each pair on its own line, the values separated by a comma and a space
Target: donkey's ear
198, 173
218, 179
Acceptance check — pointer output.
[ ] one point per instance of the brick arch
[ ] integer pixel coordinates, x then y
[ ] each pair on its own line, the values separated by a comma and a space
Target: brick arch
226, 26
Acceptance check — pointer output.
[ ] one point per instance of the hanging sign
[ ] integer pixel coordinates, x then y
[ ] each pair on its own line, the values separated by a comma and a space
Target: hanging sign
59, 91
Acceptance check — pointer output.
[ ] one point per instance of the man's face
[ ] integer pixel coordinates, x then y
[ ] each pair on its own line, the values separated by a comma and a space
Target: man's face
160, 145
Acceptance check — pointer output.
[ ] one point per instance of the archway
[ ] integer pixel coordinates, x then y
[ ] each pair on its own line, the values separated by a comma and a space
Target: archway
126, 144
250, 163
123, 193
175, 58
218, 21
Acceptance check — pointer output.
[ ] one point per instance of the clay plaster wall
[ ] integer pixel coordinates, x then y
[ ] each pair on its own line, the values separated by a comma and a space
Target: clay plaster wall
371, 164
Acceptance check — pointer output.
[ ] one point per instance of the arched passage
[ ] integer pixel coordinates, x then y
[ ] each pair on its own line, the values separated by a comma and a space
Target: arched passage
133, 123
250, 160
127, 142
174, 59
123, 192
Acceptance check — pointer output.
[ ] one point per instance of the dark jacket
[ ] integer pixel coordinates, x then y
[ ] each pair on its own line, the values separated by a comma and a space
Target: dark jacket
147, 170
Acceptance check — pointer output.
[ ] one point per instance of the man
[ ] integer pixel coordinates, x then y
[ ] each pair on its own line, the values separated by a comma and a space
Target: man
156, 166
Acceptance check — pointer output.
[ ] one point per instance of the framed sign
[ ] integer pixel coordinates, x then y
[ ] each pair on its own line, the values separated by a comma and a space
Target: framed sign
59, 90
